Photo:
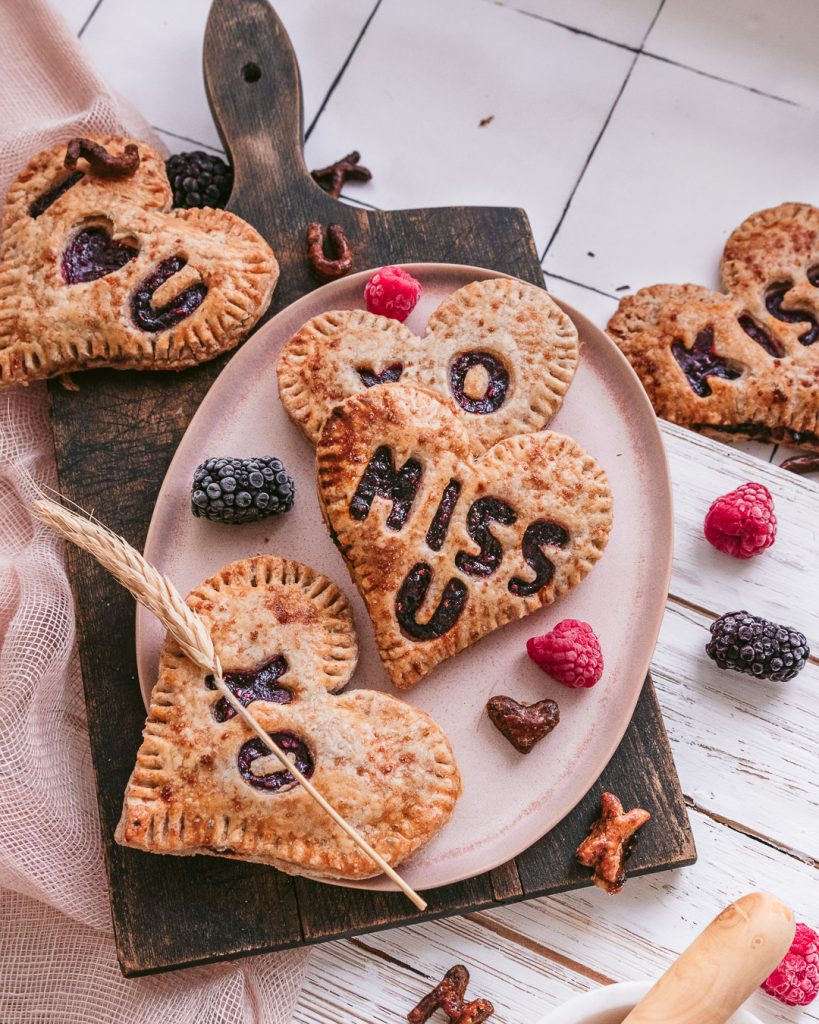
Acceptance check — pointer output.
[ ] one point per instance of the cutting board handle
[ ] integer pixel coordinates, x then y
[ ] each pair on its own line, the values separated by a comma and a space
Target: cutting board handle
254, 90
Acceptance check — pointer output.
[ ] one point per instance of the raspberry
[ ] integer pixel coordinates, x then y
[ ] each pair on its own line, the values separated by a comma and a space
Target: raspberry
570, 653
742, 523
392, 292
796, 980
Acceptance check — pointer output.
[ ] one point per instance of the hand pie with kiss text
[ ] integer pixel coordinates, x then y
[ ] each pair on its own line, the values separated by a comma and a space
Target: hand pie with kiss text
99, 271
446, 547
203, 783
742, 365
500, 351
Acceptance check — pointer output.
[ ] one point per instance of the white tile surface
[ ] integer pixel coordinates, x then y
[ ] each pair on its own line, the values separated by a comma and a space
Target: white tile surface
598, 308
175, 144
412, 98
151, 52
75, 12
683, 161
622, 21
768, 46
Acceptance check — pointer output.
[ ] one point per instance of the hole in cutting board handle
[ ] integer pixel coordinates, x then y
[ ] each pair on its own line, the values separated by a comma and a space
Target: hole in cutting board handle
251, 72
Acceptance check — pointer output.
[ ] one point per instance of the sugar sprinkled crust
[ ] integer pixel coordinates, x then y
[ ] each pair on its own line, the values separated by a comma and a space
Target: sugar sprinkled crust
770, 266
545, 478
385, 765
49, 327
514, 323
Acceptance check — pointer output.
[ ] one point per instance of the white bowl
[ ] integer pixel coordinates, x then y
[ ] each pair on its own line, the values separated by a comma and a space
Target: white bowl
609, 1004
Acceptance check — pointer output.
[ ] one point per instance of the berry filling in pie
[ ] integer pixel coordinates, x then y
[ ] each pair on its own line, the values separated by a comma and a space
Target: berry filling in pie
497, 382
147, 317
277, 781
258, 684
93, 254
42, 203
773, 303
389, 375
700, 362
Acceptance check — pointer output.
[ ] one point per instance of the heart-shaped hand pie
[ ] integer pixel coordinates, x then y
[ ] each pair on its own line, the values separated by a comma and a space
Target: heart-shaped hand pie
743, 365
99, 271
523, 725
445, 547
500, 351
204, 784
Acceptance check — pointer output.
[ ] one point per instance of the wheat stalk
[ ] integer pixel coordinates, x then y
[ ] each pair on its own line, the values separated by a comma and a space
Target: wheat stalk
155, 592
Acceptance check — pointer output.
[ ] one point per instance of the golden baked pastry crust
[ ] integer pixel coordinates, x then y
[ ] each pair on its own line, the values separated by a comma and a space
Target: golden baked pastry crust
385, 766
513, 323
770, 391
561, 513
49, 327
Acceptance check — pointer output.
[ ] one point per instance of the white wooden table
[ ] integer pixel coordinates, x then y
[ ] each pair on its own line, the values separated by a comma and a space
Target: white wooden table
637, 134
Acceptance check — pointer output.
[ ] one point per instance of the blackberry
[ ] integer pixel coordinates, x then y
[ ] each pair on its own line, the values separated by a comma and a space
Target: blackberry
241, 490
199, 179
747, 643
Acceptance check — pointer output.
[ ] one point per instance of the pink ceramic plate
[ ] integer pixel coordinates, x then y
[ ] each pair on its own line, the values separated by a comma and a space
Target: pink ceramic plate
509, 801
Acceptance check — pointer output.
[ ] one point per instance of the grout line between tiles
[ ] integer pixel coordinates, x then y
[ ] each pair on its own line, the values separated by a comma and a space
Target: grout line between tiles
719, 78
588, 160
184, 138
342, 69
87, 21
580, 284
564, 25
602, 131
355, 201
640, 51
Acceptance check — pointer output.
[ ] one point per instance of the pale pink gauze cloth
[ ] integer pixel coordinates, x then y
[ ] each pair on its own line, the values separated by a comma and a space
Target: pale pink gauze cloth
57, 959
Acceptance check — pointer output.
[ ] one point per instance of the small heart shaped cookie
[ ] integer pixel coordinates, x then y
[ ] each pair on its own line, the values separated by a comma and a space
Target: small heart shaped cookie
203, 783
446, 547
523, 725
742, 365
500, 351
99, 271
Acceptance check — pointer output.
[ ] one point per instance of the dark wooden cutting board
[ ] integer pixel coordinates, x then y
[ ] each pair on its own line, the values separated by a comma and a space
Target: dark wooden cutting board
114, 440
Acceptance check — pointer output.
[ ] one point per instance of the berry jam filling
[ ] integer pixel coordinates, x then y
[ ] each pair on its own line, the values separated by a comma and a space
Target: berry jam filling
536, 536
701, 362
758, 334
275, 782
762, 432
92, 254
773, 303
143, 313
258, 684
436, 534
411, 596
389, 375
481, 513
42, 203
380, 478
496, 388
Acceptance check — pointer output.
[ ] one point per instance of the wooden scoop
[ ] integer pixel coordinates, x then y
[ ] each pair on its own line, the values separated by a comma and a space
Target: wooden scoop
722, 966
